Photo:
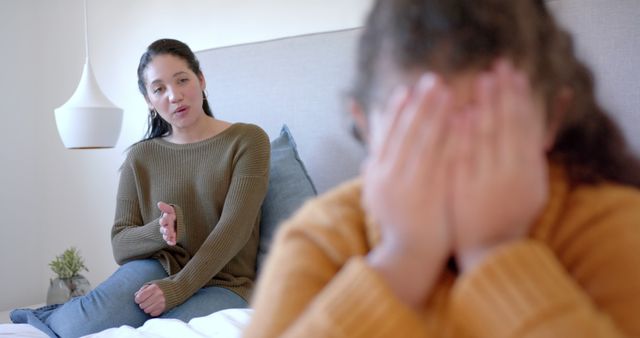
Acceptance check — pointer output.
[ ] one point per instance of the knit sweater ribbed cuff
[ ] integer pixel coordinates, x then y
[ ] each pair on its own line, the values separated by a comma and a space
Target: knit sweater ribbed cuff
358, 303
516, 288
172, 293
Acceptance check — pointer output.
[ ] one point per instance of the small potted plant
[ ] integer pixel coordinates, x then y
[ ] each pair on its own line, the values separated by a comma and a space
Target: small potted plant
69, 283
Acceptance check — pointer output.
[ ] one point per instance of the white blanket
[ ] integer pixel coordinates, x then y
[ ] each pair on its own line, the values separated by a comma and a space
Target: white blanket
224, 324
20, 330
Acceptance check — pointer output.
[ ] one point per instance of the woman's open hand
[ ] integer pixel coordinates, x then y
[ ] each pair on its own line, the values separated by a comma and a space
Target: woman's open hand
405, 188
151, 299
168, 223
500, 168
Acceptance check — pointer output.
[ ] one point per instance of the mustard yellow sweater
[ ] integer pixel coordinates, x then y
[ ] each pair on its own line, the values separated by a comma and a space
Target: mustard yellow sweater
577, 275
216, 187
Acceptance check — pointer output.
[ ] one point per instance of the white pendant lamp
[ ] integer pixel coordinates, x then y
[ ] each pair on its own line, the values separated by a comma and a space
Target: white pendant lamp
88, 120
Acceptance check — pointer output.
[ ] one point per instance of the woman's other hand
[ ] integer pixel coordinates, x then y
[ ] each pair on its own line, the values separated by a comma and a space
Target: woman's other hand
168, 223
151, 300
405, 188
500, 169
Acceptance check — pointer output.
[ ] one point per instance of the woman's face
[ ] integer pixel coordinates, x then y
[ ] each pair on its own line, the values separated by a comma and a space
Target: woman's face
174, 91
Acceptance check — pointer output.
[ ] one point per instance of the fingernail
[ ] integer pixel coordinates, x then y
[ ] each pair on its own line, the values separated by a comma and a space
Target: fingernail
427, 81
399, 92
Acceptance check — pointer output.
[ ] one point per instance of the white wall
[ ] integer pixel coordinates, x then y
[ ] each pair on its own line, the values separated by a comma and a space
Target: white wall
52, 198
20, 200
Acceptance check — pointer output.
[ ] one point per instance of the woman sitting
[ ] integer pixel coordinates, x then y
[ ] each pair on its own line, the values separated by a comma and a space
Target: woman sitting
187, 214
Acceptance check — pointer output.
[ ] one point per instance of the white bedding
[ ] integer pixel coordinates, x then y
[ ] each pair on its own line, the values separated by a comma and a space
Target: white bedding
224, 324
20, 330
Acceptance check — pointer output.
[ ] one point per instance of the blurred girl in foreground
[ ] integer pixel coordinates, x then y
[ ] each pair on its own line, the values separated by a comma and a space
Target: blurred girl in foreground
497, 199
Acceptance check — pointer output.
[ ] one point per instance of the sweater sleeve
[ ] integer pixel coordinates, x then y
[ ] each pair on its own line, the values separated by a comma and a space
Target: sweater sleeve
357, 303
241, 210
522, 290
583, 281
319, 255
130, 238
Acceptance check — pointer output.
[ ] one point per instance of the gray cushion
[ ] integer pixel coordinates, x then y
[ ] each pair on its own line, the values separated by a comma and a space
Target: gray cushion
289, 186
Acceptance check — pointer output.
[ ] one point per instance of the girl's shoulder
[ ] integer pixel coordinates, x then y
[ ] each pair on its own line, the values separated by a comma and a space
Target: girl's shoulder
606, 195
333, 209
588, 200
604, 206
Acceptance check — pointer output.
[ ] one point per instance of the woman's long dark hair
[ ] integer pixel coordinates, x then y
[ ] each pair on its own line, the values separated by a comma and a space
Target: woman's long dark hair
157, 126
454, 36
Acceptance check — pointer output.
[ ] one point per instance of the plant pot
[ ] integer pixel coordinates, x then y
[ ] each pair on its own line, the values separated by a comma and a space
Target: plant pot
63, 289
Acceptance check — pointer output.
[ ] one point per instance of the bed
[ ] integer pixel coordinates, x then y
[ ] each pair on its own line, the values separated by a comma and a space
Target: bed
222, 324
301, 82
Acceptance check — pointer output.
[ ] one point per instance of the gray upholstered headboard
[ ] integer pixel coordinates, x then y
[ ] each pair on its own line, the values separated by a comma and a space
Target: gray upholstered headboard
296, 81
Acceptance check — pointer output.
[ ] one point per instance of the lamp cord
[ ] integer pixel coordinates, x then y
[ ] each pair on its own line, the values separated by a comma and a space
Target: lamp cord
86, 31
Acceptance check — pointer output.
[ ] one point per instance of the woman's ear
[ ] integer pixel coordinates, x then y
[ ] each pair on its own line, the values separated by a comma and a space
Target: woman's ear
146, 99
361, 127
203, 83
559, 109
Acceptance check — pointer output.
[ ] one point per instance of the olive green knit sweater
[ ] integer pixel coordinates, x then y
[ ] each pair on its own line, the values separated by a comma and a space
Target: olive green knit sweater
216, 187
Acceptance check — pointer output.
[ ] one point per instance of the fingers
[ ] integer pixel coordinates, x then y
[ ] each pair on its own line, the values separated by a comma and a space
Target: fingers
429, 132
142, 294
506, 109
168, 234
520, 124
150, 299
166, 208
494, 133
167, 223
152, 306
168, 231
385, 124
462, 149
168, 220
411, 131
486, 124
411, 135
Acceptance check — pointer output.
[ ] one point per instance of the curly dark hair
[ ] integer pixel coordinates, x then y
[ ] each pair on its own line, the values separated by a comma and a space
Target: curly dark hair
403, 37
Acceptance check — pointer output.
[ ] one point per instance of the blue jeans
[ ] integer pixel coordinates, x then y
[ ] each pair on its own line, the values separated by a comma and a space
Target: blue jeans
111, 304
